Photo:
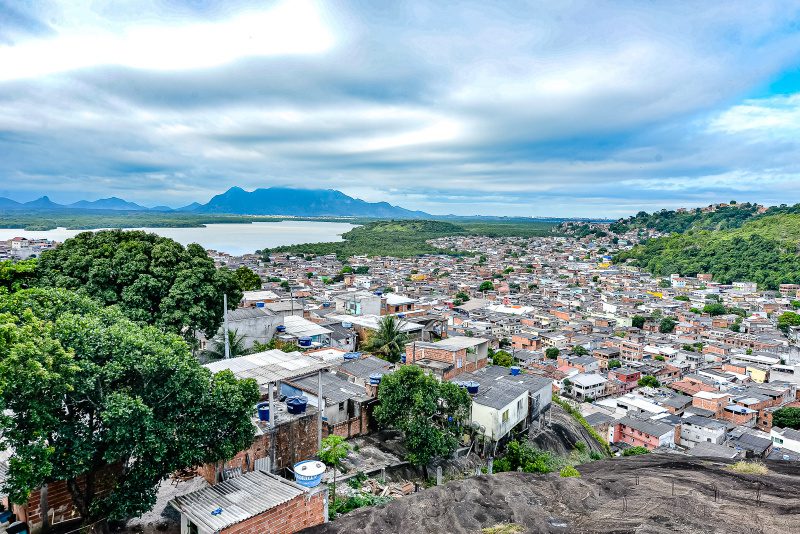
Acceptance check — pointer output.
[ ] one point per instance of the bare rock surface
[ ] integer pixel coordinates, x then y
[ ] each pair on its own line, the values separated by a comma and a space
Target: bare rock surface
646, 494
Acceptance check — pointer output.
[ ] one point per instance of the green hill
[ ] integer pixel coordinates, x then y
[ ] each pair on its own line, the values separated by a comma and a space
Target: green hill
409, 237
763, 250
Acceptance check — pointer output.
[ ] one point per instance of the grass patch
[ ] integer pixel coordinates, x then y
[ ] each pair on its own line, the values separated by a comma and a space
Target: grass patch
749, 468
504, 528
569, 472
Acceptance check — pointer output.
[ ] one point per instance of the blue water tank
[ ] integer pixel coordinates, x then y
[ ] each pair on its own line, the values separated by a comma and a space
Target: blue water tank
326, 304
379, 292
514, 370
472, 387
375, 378
401, 315
309, 473
402, 358
296, 405
280, 328
263, 411
351, 356
304, 341
347, 324
259, 304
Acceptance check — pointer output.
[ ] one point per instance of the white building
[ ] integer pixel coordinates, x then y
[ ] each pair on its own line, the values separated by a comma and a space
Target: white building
588, 385
696, 429
785, 438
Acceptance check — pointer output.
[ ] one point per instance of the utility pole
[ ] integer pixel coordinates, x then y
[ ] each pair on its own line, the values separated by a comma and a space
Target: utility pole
225, 326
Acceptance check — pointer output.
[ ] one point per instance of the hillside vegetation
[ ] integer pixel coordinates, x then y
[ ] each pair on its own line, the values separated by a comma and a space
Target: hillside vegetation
763, 250
409, 237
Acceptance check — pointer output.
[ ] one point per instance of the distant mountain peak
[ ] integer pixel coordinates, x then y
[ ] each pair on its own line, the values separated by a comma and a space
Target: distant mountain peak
301, 203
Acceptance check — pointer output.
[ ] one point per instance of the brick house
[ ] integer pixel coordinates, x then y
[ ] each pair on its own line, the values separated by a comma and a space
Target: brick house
628, 378
449, 357
253, 503
714, 402
644, 433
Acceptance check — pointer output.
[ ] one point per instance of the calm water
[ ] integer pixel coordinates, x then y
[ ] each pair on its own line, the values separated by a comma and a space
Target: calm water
234, 239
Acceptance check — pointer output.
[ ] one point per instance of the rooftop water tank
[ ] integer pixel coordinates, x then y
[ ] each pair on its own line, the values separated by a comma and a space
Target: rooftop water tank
296, 405
326, 304
304, 341
263, 411
401, 315
375, 379
472, 387
379, 292
346, 324
259, 304
514, 370
351, 356
308, 473
280, 328
402, 358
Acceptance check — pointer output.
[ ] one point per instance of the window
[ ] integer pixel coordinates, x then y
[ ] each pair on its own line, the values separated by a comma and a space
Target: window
519, 405
459, 363
505, 416
341, 406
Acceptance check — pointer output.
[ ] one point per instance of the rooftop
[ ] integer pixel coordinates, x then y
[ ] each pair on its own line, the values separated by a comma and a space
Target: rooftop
269, 366
236, 499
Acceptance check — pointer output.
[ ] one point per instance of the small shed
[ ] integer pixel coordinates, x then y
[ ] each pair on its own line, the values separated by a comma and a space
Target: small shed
253, 502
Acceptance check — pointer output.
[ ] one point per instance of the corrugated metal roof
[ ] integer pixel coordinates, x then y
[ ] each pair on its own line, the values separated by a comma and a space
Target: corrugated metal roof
238, 498
298, 326
270, 366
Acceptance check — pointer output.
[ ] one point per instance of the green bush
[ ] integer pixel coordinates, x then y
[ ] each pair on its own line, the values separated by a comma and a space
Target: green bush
635, 451
342, 506
569, 471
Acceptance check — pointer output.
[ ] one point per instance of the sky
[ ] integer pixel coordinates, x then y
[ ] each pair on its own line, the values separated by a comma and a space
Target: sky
560, 108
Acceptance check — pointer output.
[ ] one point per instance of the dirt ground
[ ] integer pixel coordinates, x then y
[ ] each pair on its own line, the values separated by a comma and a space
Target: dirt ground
653, 493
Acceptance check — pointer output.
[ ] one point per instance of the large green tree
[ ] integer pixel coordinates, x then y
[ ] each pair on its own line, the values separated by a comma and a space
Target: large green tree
246, 279
15, 275
429, 412
389, 340
155, 280
87, 395
786, 418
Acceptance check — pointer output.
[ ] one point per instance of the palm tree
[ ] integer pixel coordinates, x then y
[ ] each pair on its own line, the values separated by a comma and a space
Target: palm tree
389, 340
236, 343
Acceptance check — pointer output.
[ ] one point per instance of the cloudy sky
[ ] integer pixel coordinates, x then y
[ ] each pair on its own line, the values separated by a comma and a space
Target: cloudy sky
533, 108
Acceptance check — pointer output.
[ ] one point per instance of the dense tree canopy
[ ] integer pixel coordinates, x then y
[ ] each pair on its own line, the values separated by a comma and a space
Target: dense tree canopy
788, 319
786, 418
155, 280
763, 251
15, 275
429, 412
85, 391
246, 279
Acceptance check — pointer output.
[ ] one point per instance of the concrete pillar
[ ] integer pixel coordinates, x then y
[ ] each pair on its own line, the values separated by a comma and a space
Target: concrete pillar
320, 409
439, 475
490, 465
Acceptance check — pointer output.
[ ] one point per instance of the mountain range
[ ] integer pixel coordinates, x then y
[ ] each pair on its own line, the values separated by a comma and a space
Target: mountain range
237, 201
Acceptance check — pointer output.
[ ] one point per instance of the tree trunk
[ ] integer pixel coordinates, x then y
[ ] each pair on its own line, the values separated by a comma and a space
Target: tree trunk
101, 527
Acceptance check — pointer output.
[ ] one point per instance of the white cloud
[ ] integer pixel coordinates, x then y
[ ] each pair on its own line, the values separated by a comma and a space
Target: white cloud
292, 27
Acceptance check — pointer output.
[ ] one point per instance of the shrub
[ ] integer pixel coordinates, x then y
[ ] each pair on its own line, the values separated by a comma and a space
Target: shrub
569, 471
504, 528
749, 468
635, 451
